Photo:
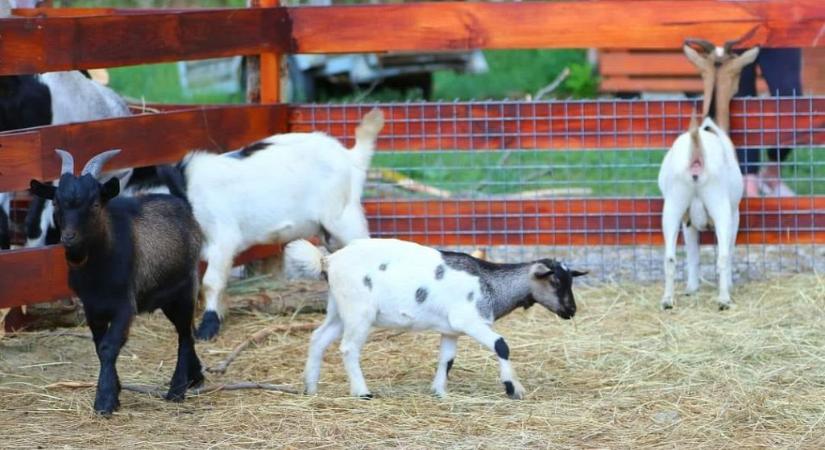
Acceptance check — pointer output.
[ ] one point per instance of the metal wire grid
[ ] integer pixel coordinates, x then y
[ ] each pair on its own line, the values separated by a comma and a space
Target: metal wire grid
574, 180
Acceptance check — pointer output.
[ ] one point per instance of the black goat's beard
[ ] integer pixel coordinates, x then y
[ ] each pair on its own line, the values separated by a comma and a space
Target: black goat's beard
76, 257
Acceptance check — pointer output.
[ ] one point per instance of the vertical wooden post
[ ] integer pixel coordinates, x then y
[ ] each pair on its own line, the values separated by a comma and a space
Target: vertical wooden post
270, 69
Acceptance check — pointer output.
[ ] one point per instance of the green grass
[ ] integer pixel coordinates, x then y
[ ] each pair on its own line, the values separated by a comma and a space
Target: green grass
606, 173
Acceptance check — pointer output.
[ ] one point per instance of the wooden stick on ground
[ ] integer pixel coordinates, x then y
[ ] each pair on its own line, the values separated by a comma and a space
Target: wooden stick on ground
257, 338
149, 390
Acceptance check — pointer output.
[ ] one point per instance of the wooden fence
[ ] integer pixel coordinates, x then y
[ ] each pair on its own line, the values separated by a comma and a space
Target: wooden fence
43, 40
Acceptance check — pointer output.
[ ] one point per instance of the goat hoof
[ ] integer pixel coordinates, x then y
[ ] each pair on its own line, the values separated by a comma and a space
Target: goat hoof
209, 327
724, 306
366, 397
196, 382
514, 390
105, 407
176, 397
667, 304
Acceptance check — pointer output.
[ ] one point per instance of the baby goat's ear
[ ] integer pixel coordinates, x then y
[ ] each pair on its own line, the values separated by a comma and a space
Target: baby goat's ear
576, 273
539, 270
110, 189
42, 190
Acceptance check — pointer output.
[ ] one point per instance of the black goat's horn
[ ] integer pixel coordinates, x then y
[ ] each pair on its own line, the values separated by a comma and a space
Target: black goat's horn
95, 165
68, 161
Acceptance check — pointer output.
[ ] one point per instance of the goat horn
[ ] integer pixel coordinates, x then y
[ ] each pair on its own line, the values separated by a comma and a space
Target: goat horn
68, 161
95, 165
703, 44
729, 46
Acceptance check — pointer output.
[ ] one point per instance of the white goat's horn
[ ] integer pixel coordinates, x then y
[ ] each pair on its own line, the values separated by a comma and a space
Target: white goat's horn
95, 165
68, 161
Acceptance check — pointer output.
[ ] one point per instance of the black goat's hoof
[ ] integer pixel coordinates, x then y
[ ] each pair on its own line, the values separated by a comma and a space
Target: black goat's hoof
106, 406
196, 381
366, 397
209, 327
176, 397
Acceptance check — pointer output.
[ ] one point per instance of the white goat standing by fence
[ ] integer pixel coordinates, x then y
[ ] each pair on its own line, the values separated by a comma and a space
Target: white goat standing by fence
403, 285
701, 181
286, 187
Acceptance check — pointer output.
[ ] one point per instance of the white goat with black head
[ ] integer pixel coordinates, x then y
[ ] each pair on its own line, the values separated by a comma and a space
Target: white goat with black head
700, 178
397, 284
286, 187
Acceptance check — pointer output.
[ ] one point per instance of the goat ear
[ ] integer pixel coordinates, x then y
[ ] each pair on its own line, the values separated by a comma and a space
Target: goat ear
110, 189
701, 62
576, 273
42, 190
745, 58
539, 270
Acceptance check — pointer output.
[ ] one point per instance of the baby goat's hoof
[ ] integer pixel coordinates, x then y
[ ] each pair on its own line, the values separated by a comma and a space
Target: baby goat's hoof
366, 397
667, 303
514, 390
209, 327
724, 306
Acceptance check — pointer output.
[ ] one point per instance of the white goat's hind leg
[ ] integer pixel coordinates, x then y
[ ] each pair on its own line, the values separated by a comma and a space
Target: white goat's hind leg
674, 209
355, 335
325, 335
691, 235
445, 363
723, 223
492, 340
219, 263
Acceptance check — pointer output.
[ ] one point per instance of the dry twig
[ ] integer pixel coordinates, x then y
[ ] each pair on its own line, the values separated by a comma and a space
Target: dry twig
257, 338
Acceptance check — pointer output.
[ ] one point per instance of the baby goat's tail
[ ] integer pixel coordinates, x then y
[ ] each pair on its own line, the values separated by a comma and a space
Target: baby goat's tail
304, 260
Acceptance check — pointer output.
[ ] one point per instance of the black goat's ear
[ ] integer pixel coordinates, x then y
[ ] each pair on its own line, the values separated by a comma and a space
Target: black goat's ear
576, 273
110, 189
42, 190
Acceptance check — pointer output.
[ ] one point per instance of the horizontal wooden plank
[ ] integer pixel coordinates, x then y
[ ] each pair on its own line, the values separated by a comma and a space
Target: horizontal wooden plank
661, 84
597, 221
614, 63
590, 124
38, 275
43, 43
557, 24
145, 139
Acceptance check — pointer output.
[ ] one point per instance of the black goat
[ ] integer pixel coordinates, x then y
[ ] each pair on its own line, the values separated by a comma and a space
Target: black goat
127, 255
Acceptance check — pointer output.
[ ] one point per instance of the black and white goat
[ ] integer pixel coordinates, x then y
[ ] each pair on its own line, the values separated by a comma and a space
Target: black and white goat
397, 284
127, 255
286, 187
700, 178
50, 99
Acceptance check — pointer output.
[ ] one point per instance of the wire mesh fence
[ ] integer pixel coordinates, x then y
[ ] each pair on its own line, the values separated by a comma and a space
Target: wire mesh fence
576, 180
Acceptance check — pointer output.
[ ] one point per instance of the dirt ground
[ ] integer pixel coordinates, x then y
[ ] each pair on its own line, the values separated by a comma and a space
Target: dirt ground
621, 375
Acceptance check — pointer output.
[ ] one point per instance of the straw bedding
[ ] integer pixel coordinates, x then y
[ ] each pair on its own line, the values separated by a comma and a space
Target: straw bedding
623, 375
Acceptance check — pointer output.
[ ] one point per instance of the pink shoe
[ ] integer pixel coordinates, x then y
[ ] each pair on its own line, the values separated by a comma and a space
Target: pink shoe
751, 185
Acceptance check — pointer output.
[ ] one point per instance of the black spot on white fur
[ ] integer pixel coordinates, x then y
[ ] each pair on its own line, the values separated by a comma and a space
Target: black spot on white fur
450, 365
368, 282
421, 294
439, 272
382, 267
470, 296
502, 350
509, 388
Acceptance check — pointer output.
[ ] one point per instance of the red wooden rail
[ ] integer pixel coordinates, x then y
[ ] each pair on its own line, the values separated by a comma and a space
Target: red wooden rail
566, 125
583, 221
41, 274
60, 40
598, 221
145, 139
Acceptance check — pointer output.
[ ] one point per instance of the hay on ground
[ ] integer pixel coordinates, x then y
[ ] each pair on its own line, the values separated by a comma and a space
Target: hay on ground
623, 375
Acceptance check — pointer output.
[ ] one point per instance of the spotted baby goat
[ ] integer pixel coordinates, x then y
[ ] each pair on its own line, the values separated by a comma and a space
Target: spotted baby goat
286, 187
125, 256
397, 284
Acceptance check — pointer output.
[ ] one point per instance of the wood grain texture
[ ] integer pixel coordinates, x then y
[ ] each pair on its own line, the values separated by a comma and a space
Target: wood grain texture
565, 125
145, 139
52, 41
559, 24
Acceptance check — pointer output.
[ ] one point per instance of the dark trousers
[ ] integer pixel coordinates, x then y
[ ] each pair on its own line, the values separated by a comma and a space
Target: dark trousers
781, 68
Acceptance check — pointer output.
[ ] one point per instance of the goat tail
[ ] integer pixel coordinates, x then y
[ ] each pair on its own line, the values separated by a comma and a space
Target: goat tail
365, 136
304, 260
173, 178
697, 154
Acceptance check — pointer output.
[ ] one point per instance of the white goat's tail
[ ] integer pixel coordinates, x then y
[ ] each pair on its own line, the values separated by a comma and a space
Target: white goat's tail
365, 136
303, 260
697, 152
